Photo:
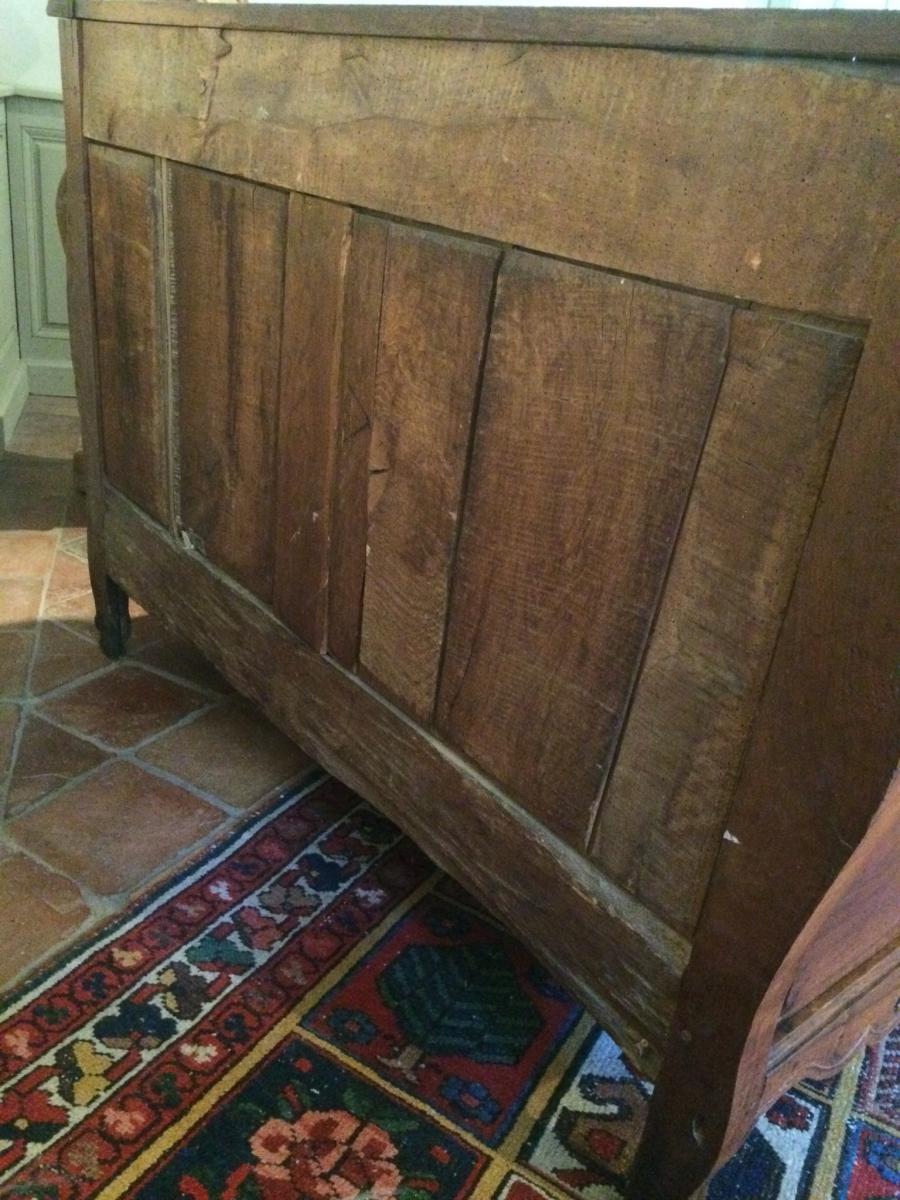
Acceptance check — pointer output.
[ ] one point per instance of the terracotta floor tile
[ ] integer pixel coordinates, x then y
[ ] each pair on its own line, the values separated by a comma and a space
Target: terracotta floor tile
20, 601
48, 434
27, 554
115, 829
124, 706
39, 908
9, 723
69, 595
75, 543
48, 758
15, 655
69, 576
144, 628
231, 751
34, 492
63, 656
180, 658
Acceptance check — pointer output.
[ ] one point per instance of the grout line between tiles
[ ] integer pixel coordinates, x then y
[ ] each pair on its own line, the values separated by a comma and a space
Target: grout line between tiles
152, 669
6, 782
121, 751
103, 908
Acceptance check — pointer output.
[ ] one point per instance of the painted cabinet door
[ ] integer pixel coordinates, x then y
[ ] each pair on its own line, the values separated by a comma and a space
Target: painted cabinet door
37, 159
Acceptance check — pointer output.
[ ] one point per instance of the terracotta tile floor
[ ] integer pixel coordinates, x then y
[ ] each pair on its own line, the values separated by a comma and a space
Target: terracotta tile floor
111, 774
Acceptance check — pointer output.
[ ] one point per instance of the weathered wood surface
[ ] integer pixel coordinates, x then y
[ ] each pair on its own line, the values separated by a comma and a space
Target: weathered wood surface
78, 245
228, 254
596, 397
849, 35
434, 315
131, 345
359, 357
843, 972
705, 173
318, 236
820, 757
859, 919
456, 134
624, 954
663, 813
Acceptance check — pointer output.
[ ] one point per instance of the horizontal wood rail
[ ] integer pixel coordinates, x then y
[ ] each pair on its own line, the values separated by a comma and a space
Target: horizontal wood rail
388, 759
873, 36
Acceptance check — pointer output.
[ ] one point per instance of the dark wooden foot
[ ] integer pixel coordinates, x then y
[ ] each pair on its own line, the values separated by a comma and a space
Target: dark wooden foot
113, 621
675, 1157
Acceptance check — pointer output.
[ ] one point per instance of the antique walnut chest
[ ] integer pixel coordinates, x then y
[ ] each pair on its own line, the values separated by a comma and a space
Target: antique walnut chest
507, 401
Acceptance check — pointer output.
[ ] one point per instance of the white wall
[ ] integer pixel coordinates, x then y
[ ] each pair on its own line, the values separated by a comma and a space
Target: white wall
29, 50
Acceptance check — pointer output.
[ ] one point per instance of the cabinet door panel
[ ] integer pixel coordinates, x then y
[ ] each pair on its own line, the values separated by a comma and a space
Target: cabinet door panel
596, 399
228, 260
130, 338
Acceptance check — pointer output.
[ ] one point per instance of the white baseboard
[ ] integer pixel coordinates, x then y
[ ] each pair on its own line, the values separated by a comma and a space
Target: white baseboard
13, 388
51, 379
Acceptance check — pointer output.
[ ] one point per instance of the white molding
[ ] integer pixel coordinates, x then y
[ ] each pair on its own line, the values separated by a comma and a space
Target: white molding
13, 373
36, 162
13, 388
42, 275
50, 378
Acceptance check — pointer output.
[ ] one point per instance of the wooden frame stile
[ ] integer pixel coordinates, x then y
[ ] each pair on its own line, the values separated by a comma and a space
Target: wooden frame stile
75, 225
803, 807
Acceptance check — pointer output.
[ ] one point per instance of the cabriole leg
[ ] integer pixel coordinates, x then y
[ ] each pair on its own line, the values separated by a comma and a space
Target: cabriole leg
112, 620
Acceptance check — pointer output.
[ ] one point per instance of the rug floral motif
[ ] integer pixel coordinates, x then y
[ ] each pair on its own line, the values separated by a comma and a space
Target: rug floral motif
314, 1011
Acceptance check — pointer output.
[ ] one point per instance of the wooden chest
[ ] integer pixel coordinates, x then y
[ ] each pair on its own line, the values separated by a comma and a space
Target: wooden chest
507, 401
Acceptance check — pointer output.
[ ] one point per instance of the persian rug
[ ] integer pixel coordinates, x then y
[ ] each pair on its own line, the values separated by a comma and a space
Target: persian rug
314, 1011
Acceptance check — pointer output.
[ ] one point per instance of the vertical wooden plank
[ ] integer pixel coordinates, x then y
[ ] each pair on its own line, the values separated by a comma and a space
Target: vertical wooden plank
228, 242
662, 817
128, 272
318, 240
596, 400
362, 321
437, 295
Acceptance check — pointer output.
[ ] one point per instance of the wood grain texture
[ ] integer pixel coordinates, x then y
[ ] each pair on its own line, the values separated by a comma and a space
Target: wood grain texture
455, 134
78, 246
359, 356
857, 920
663, 812
767, 180
821, 754
874, 35
228, 240
318, 238
433, 329
608, 944
596, 398
131, 346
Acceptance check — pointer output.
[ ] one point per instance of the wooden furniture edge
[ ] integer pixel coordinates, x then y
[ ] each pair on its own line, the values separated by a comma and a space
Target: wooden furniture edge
871, 36
388, 759
73, 215
817, 771
113, 558
817, 1043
